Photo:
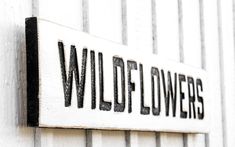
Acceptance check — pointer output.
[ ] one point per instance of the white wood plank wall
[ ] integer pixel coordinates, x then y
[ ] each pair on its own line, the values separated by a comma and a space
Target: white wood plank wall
12, 74
199, 33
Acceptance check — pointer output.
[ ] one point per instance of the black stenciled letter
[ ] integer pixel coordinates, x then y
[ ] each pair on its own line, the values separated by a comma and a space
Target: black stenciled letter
168, 92
106, 106
93, 83
155, 73
183, 114
117, 61
200, 99
191, 96
131, 65
143, 109
73, 69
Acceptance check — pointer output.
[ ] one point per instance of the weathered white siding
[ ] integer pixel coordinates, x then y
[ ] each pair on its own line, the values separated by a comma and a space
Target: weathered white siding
199, 33
12, 74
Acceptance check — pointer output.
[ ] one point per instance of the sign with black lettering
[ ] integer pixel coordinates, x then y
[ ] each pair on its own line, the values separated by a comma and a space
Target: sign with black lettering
76, 80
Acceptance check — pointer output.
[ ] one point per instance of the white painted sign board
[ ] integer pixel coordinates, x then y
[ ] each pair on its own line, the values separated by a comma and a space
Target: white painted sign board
76, 80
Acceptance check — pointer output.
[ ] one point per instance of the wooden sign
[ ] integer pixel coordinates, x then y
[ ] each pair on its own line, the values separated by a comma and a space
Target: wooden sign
76, 80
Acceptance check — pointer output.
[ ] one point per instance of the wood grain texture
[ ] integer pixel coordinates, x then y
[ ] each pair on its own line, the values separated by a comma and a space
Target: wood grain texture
13, 130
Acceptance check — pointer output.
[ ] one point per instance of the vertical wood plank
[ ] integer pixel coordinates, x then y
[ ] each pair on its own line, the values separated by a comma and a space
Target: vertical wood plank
212, 54
139, 37
59, 138
192, 46
139, 25
43, 137
113, 138
168, 46
105, 21
226, 20
13, 130
66, 12
191, 33
167, 29
171, 139
74, 137
146, 139
69, 13
94, 138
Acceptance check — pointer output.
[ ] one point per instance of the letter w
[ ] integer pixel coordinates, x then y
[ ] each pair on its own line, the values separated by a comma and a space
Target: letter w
73, 70
169, 92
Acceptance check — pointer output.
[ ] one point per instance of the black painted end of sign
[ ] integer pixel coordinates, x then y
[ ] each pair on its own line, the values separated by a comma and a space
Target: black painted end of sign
32, 71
